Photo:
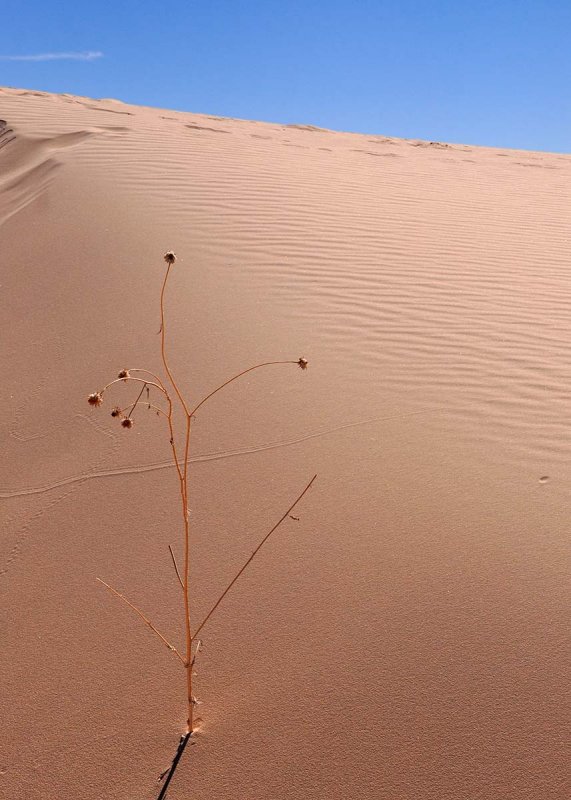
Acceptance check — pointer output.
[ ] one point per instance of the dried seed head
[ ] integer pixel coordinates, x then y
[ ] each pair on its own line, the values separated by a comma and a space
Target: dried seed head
95, 399
169, 257
124, 374
127, 422
302, 362
116, 412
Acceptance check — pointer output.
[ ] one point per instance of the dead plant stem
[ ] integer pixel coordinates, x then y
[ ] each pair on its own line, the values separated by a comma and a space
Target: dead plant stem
145, 619
239, 375
181, 457
134, 406
137, 380
183, 479
175, 565
240, 571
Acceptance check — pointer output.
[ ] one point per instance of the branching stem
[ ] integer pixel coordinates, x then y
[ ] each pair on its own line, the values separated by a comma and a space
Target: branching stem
181, 452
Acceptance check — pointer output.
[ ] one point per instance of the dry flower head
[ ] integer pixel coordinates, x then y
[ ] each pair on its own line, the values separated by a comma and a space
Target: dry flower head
95, 399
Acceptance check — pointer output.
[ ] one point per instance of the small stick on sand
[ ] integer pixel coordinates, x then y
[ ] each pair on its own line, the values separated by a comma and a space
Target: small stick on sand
171, 770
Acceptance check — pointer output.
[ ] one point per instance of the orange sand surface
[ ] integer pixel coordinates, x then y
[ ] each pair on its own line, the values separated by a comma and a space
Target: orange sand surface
406, 638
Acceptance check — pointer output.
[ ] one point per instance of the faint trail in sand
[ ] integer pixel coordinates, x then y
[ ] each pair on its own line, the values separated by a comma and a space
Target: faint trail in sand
21, 532
5, 494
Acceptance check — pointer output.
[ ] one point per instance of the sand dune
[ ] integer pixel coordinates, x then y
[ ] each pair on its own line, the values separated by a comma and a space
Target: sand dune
407, 638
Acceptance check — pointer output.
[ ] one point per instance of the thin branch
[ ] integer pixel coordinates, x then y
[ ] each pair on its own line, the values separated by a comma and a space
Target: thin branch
134, 406
145, 620
163, 338
149, 406
264, 540
196, 652
148, 372
176, 567
157, 409
172, 439
137, 380
239, 375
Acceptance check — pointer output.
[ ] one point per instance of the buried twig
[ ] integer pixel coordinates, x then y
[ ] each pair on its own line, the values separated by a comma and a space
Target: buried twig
168, 773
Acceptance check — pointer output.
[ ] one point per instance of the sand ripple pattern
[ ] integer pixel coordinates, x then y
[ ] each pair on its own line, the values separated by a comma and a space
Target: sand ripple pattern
429, 265
411, 626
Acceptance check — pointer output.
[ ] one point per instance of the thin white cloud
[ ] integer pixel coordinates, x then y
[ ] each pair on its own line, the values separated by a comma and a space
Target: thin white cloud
88, 55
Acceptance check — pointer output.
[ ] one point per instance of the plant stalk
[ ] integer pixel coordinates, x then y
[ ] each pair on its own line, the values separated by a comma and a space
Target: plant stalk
183, 479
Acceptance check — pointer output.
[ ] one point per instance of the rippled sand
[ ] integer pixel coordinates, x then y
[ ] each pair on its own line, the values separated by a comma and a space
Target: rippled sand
407, 637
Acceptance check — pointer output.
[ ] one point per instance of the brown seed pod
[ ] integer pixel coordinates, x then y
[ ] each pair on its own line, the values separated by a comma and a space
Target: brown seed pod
95, 399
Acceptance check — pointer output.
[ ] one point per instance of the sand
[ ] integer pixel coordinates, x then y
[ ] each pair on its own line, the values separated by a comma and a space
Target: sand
407, 637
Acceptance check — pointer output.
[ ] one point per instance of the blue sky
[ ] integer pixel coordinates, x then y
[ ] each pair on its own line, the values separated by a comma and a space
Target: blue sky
480, 72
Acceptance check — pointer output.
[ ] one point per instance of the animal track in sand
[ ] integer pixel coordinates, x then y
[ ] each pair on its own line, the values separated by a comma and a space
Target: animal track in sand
20, 534
6, 494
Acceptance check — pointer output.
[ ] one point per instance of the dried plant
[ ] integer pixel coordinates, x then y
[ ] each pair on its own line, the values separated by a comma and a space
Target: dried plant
162, 397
